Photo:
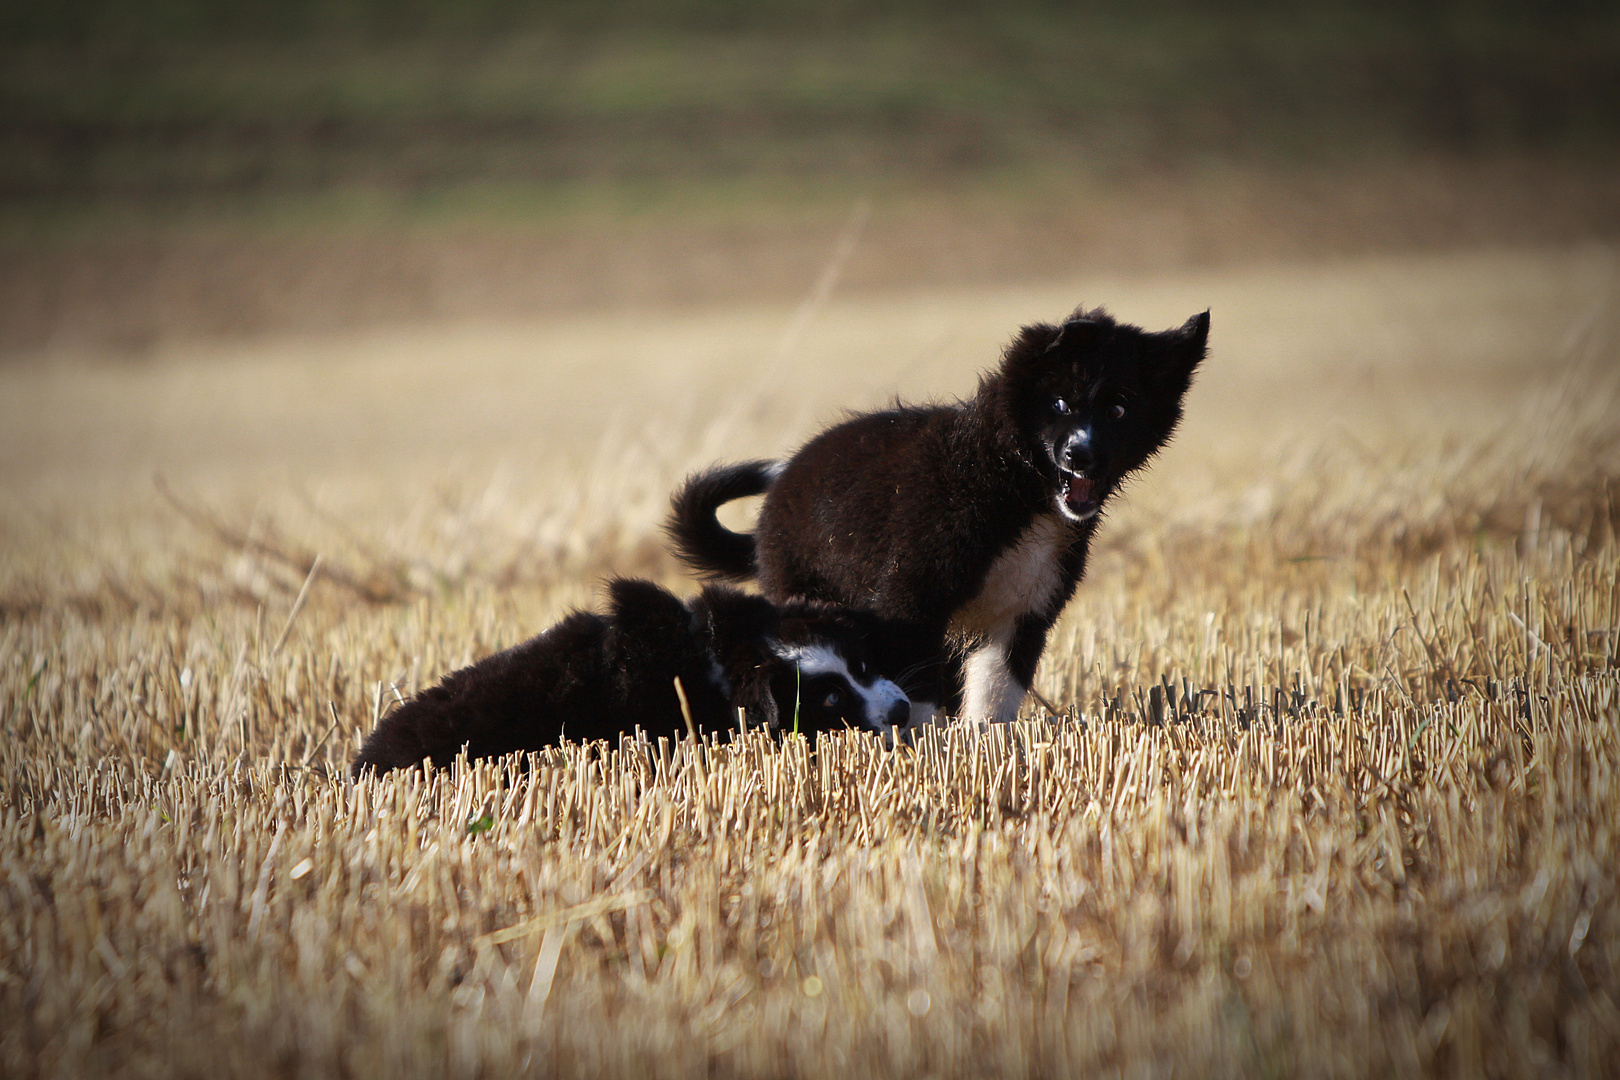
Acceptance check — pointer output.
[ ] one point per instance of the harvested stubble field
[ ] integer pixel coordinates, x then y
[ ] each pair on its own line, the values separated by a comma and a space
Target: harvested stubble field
1370, 829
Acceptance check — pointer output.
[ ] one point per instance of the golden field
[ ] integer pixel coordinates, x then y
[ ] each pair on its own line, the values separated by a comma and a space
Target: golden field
1371, 828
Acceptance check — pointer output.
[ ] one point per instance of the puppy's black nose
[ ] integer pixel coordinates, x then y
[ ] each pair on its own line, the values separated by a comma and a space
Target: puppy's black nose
899, 714
1077, 456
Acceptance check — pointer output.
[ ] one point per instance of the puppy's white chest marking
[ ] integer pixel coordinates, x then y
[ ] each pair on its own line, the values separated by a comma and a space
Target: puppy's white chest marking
1024, 579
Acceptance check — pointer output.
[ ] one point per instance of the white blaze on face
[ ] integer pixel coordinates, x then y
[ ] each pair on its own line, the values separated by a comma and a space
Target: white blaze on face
879, 698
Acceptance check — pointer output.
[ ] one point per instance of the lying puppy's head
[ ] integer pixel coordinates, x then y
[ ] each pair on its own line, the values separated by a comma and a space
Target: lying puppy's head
1093, 399
809, 667
830, 676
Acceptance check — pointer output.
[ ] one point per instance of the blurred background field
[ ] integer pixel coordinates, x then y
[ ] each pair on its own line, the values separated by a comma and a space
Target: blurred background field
343, 343
187, 168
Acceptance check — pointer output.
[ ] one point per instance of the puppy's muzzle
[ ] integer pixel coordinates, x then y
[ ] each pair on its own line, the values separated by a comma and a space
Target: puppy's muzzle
1076, 454
899, 715
1079, 492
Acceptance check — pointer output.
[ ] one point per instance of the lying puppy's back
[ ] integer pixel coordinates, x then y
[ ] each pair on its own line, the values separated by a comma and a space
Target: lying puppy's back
805, 667
588, 677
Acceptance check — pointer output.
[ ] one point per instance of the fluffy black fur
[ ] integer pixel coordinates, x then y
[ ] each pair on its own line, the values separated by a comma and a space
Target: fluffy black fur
697, 535
971, 520
595, 676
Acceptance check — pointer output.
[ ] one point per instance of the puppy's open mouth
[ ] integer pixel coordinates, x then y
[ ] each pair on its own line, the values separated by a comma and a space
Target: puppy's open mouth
1079, 493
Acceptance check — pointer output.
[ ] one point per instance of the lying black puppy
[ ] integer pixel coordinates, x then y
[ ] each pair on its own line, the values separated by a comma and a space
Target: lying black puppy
803, 666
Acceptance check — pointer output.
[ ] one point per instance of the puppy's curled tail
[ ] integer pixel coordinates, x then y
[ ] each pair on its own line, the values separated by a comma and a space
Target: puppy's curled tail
696, 533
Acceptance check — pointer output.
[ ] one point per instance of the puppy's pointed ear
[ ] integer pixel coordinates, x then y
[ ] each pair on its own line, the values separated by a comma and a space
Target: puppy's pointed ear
1195, 331
1078, 333
637, 602
1040, 340
1184, 349
1192, 339
1032, 342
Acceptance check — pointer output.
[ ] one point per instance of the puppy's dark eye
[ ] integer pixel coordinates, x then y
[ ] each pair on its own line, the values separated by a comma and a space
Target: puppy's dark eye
1060, 406
832, 700
1119, 412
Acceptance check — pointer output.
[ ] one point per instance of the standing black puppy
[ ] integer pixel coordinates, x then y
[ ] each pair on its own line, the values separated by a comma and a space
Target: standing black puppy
805, 666
971, 520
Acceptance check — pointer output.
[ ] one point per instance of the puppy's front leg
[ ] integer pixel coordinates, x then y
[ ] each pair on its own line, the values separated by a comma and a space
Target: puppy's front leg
999, 671
991, 693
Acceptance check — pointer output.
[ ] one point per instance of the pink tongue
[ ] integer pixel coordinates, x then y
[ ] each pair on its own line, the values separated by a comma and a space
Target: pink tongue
1080, 488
